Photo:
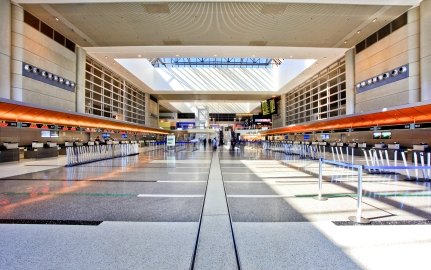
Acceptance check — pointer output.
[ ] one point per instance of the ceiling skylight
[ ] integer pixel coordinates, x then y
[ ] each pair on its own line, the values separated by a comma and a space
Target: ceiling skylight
205, 62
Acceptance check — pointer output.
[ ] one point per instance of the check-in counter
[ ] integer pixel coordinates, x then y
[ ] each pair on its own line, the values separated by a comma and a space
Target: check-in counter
354, 147
296, 142
418, 149
78, 143
380, 145
90, 143
362, 145
9, 152
315, 143
38, 150
62, 150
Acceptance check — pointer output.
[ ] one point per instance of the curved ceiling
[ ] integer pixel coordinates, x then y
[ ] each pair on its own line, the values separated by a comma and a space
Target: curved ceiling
110, 30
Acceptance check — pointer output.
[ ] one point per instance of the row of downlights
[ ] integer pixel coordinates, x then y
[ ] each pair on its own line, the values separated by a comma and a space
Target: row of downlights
382, 77
48, 75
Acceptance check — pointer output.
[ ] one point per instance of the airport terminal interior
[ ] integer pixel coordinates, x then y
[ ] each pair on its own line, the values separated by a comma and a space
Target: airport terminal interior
164, 134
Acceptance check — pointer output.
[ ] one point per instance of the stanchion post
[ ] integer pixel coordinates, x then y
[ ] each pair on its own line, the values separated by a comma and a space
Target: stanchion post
320, 197
358, 218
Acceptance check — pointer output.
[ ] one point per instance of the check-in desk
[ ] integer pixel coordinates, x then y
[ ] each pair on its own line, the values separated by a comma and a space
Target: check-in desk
62, 150
419, 149
391, 148
9, 152
41, 150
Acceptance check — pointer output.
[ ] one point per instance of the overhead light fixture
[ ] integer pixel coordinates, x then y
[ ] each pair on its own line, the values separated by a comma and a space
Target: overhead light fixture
215, 55
375, 20
139, 55
57, 19
177, 55
345, 42
358, 32
106, 57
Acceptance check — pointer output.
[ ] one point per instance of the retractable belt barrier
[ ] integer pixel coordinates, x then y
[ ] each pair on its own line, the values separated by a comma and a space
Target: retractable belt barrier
358, 217
360, 168
85, 154
307, 151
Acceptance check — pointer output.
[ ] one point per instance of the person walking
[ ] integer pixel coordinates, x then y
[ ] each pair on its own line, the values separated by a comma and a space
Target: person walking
214, 143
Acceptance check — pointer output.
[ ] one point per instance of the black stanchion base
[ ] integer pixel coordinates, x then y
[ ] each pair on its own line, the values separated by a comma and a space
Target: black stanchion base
320, 198
360, 220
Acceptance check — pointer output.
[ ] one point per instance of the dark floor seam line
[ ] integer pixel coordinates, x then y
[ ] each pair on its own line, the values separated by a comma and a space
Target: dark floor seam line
238, 262
195, 249
77, 180
50, 222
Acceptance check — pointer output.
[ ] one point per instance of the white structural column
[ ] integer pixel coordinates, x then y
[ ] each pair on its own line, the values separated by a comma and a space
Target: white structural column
5, 48
425, 49
414, 55
81, 56
350, 81
283, 106
17, 42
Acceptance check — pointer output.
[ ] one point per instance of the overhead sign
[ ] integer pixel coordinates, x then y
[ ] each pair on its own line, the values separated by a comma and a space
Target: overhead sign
170, 140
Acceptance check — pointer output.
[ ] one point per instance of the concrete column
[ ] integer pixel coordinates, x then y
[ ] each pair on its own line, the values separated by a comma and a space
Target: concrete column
5, 48
81, 56
17, 52
147, 109
413, 40
425, 49
350, 81
283, 110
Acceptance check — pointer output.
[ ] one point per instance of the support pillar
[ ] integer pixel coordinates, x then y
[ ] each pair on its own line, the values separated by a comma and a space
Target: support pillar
5, 49
425, 49
350, 81
81, 56
283, 108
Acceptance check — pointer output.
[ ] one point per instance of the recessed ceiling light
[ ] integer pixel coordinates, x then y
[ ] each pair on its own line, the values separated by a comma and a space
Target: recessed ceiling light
57, 19
139, 55
345, 42
215, 55
106, 57
375, 19
177, 55
359, 31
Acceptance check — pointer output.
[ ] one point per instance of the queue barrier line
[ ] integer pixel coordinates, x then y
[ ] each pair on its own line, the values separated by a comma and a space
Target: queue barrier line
358, 217
87, 154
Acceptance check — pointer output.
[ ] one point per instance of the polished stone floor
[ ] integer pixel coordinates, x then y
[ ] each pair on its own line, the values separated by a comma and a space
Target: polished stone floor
199, 209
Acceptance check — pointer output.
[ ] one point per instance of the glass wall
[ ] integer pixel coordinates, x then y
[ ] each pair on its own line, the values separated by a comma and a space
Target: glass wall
321, 97
108, 95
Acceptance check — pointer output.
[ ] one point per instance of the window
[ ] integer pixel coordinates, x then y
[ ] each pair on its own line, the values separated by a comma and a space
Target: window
110, 96
328, 86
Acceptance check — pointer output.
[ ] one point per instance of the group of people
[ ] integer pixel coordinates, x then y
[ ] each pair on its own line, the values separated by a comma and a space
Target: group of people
213, 142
